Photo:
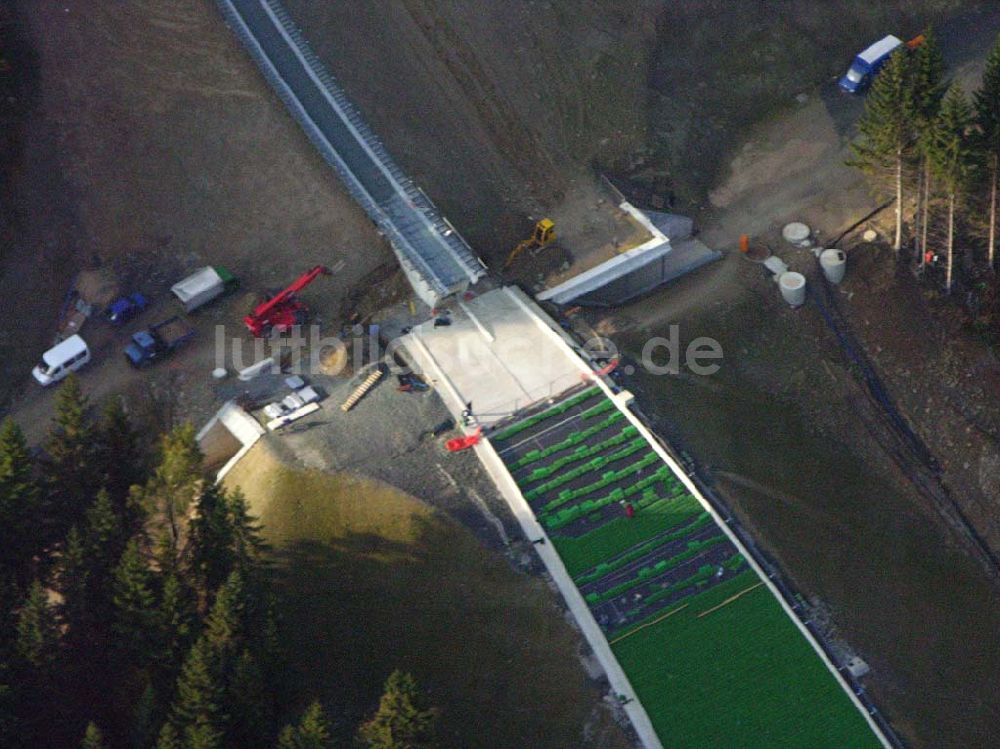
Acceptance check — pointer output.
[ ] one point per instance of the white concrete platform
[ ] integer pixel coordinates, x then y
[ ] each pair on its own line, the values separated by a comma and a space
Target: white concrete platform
500, 353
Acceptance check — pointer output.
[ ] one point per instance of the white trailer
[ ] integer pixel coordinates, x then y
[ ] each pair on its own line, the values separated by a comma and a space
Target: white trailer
203, 286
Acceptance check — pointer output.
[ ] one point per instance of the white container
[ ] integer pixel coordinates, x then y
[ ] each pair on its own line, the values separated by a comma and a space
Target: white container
776, 265
202, 286
793, 288
797, 233
834, 265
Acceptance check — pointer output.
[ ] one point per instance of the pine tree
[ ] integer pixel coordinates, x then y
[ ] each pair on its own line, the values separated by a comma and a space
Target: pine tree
70, 467
211, 539
951, 157
928, 90
20, 538
37, 629
248, 543
224, 626
401, 721
168, 738
987, 101
887, 133
175, 619
120, 458
167, 496
198, 702
74, 576
93, 738
312, 732
136, 616
249, 704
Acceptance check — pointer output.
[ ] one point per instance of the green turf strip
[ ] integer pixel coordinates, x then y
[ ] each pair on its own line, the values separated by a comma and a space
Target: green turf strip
587, 551
548, 413
582, 453
742, 675
605, 568
596, 464
664, 565
577, 438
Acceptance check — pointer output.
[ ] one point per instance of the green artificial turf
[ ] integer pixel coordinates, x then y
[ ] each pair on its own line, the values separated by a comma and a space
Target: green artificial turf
611, 539
741, 676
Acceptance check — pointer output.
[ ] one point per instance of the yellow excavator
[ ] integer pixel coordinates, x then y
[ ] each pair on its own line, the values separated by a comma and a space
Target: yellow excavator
543, 235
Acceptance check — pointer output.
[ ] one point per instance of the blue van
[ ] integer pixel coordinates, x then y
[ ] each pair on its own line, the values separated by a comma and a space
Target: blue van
866, 65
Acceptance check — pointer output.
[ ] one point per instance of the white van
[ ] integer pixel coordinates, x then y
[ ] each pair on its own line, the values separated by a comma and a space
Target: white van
61, 359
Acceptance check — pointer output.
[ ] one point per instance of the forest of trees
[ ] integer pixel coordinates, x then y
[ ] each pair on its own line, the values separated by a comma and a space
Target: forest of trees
136, 603
936, 150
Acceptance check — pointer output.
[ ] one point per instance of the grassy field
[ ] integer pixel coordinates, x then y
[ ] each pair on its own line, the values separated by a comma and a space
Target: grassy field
690, 669
372, 580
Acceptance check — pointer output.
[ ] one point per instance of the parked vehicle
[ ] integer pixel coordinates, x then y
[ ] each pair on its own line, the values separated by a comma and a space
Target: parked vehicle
63, 358
281, 312
866, 65
157, 342
203, 286
125, 308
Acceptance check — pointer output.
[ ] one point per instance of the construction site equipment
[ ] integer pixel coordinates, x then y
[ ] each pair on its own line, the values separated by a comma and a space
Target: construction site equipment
543, 235
464, 443
125, 308
284, 310
203, 286
158, 341
361, 390
61, 359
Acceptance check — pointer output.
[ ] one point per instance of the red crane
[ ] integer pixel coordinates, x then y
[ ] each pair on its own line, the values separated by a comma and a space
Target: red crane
284, 309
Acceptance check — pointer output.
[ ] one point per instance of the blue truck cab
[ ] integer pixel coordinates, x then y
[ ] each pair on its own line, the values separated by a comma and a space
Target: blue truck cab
866, 65
158, 341
125, 308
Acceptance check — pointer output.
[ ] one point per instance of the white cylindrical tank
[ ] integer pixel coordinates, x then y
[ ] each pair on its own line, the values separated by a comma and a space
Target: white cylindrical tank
793, 288
834, 264
797, 233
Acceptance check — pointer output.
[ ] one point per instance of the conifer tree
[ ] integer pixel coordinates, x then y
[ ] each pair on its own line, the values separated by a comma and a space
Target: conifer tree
312, 731
249, 704
93, 738
887, 133
136, 615
20, 537
120, 458
248, 543
198, 705
37, 629
987, 103
401, 721
167, 496
74, 576
928, 90
175, 627
168, 738
70, 467
211, 539
951, 157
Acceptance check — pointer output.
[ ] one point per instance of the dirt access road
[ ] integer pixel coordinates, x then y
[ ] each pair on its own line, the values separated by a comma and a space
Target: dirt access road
147, 142
789, 437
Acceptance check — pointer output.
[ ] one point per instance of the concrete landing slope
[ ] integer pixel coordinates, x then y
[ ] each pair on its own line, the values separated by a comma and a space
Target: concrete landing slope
436, 259
671, 253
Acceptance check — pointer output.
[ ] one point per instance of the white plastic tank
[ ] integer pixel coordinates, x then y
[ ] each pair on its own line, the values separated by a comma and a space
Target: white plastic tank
834, 264
793, 288
797, 233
